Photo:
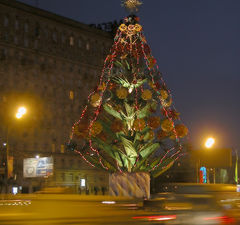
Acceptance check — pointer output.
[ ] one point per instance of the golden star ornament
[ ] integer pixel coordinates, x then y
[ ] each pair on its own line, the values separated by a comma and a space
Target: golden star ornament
132, 5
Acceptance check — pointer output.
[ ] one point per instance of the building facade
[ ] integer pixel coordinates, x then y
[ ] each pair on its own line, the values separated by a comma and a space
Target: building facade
49, 64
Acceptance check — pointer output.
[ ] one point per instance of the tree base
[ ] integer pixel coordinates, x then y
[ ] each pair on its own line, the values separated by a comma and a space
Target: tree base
135, 185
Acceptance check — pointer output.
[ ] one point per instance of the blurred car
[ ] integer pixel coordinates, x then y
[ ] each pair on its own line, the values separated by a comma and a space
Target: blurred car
193, 204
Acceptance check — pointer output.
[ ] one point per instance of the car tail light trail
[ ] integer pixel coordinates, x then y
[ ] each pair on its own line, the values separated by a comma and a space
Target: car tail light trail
157, 218
224, 220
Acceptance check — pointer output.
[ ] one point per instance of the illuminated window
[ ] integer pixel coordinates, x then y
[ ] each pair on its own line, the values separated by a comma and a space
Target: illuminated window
71, 40
62, 148
14, 190
88, 46
82, 182
71, 95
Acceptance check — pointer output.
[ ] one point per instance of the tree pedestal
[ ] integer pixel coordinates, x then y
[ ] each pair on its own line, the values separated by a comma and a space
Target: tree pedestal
135, 185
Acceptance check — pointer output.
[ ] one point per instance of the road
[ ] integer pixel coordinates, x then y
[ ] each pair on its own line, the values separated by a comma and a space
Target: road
66, 210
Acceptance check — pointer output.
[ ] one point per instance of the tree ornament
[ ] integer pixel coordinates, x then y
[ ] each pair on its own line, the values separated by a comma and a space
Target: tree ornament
167, 103
151, 62
162, 134
152, 85
131, 5
116, 126
154, 122
102, 86
173, 114
167, 125
96, 128
181, 130
138, 27
164, 94
146, 95
123, 27
121, 93
95, 100
139, 124
151, 135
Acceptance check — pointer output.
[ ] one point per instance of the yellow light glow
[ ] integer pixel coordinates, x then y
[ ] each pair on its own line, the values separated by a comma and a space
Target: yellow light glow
209, 142
22, 110
19, 115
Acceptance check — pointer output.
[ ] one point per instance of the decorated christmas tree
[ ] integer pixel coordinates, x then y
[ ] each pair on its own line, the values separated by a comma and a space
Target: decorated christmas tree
129, 124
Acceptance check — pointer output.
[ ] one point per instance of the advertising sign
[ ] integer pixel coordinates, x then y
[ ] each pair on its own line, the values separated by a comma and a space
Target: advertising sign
10, 166
38, 167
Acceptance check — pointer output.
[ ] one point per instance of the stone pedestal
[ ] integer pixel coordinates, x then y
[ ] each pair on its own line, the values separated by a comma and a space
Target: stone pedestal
135, 185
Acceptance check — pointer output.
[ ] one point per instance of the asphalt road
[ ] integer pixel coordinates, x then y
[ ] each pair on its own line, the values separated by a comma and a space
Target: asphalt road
67, 210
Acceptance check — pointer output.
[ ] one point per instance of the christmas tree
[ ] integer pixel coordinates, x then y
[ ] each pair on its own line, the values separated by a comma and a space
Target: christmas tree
129, 123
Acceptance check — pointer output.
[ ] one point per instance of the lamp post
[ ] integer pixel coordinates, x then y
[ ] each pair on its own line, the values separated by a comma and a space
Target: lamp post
20, 112
209, 144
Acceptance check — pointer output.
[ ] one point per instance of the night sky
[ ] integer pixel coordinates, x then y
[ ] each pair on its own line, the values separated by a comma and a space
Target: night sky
197, 47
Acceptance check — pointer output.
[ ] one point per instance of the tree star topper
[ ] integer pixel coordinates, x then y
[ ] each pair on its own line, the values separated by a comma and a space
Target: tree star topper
132, 5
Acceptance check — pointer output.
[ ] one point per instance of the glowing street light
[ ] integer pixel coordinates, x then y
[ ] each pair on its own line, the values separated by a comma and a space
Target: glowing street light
21, 111
209, 142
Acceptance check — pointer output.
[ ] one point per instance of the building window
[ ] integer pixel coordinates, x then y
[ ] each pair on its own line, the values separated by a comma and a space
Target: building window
63, 176
62, 148
35, 145
63, 38
83, 182
71, 163
88, 46
46, 33
71, 95
3, 54
16, 24
71, 41
36, 44
15, 40
62, 163
5, 21
79, 43
26, 27
54, 36
37, 30
71, 177
26, 43
5, 37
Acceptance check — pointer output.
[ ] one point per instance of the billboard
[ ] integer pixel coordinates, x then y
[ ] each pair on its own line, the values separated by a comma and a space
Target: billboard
38, 167
10, 166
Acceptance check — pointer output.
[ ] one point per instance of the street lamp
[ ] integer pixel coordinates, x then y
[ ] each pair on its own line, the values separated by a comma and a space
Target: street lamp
209, 142
21, 111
